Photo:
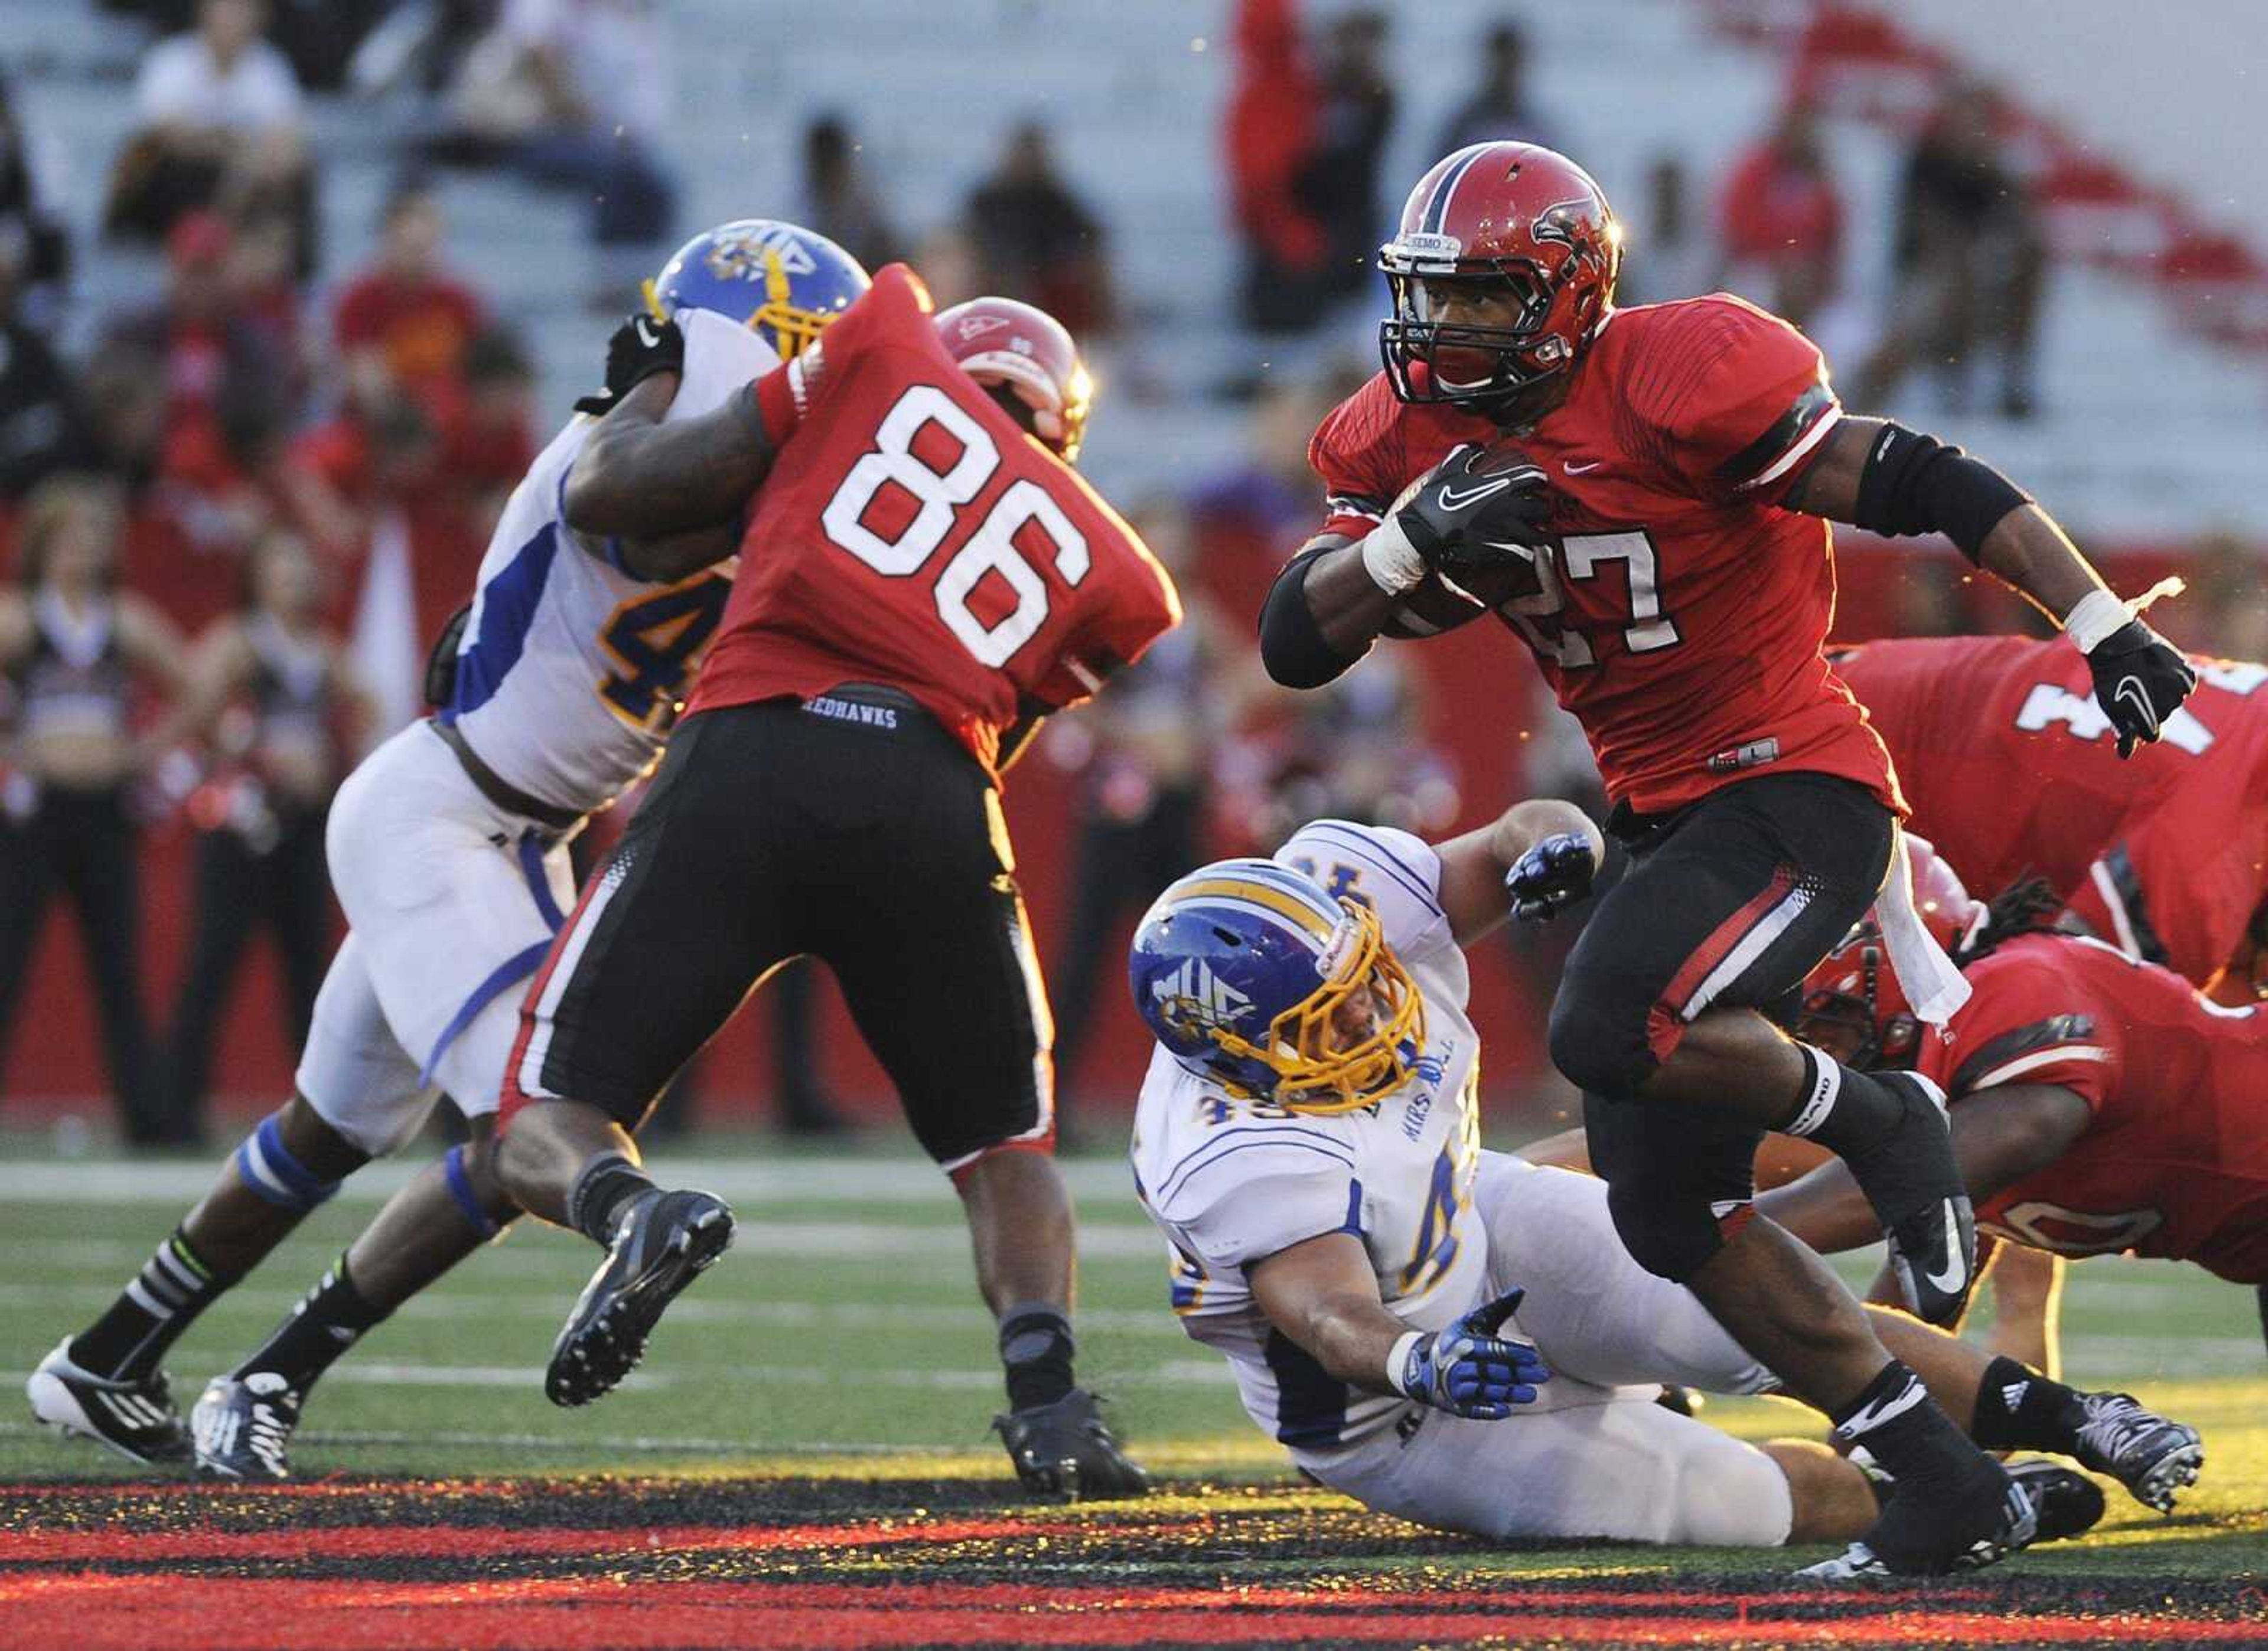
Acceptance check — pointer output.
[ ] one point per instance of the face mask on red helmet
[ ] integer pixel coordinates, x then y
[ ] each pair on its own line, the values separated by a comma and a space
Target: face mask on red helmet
1522, 227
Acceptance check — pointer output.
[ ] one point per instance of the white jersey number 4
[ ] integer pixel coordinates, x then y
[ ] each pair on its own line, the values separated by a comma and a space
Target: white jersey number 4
940, 494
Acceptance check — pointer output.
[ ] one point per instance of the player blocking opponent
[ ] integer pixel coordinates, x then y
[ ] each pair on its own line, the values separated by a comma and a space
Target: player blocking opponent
448, 849
926, 577
1652, 529
1307, 1140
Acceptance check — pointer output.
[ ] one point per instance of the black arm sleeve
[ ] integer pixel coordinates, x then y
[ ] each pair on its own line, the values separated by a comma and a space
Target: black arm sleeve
1291, 646
1914, 483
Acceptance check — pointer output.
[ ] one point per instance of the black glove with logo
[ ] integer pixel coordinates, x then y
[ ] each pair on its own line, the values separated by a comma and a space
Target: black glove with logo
642, 346
1551, 876
1478, 513
2140, 679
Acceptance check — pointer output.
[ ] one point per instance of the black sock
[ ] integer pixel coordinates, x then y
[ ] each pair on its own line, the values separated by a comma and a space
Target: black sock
1904, 1428
174, 1287
602, 1190
1846, 1112
1035, 1345
2019, 1409
329, 1319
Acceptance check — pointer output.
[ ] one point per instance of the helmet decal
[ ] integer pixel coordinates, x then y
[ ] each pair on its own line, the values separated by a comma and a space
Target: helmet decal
1198, 999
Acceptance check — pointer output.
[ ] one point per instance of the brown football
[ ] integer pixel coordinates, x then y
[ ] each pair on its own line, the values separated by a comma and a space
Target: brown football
1434, 607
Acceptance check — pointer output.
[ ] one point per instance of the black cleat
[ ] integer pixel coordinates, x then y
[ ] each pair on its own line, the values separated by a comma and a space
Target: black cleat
663, 1242
2064, 1503
134, 1419
1984, 1520
243, 1427
1915, 1187
2151, 1456
1065, 1450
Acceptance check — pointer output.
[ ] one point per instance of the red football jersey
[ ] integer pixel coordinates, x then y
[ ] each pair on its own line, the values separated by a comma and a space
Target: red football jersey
2014, 771
2174, 1163
1683, 612
910, 534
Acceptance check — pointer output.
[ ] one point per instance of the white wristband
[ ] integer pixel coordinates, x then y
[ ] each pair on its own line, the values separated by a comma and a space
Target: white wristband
1390, 559
2093, 617
1397, 1359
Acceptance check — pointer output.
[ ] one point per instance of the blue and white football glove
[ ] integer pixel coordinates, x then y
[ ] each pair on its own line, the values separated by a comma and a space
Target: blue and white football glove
1469, 1369
1551, 876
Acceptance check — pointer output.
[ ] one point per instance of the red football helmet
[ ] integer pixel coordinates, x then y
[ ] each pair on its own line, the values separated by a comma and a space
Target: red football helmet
1021, 350
1520, 219
1854, 989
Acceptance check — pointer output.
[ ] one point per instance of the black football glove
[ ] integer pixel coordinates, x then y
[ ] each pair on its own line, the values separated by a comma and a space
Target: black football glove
1551, 876
2140, 679
642, 346
1466, 521
1469, 1369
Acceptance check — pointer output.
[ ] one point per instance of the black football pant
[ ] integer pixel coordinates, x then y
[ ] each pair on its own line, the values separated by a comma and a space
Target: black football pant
859, 831
1727, 903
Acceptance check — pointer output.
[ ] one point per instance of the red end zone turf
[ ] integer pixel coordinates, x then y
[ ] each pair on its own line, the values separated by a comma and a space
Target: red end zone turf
567, 1566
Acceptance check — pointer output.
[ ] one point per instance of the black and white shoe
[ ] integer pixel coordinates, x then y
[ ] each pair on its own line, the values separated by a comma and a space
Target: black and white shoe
1064, 1449
1914, 1185
134, 1419
2064, 1503
1936, 1535
2151, 1456
242, 1429
662, 1243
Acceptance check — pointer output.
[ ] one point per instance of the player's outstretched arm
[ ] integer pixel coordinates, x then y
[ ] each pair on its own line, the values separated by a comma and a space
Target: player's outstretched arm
1877, 474
641, 480
1475, 865
1323, 1294
1998, 1137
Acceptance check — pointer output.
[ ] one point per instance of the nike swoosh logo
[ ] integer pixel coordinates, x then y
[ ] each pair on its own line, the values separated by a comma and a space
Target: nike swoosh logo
1582, 470
2131, 692
1453, 500
1866, 1420
1956, 1270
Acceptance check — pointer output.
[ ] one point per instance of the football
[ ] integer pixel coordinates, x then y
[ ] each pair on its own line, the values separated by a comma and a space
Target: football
1436, 605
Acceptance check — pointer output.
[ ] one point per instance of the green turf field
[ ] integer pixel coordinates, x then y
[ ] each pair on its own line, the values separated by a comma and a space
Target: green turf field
841, 1344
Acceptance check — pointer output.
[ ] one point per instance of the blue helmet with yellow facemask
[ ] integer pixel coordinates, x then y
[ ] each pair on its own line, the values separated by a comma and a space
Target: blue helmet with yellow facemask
1250, 975
785, 281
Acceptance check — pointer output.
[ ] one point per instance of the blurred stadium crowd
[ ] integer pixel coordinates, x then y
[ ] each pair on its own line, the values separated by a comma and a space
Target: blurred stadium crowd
248, 463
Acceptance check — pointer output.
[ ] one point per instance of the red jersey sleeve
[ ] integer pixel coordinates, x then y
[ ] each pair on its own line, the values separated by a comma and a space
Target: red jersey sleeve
1138, 604
1360, 453
2029, 1020
1730, 401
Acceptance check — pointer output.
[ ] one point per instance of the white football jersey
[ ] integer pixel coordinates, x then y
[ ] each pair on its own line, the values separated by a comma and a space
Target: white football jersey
571, 670
1231, 1182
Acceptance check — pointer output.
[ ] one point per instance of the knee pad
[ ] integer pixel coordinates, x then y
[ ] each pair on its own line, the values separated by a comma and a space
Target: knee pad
1671, 1234
265, 1165
1593, 1043
487, 1218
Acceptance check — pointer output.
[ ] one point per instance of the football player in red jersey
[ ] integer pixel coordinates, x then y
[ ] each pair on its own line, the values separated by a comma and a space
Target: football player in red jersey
2101, 1107
1640, 495
2007, 762
923, 578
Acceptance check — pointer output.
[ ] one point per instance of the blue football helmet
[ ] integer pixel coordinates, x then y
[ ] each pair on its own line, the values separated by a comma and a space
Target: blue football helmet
1249, 974
785, 281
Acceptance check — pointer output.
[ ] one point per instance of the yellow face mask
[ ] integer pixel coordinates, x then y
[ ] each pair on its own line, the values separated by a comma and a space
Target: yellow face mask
1318, 1068
793, 330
